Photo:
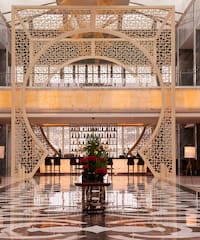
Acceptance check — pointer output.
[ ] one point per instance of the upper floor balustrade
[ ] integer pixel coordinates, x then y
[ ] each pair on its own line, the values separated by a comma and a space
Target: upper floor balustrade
92, 75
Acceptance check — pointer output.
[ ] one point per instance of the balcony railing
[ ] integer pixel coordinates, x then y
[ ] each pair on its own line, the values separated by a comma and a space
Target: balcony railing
117, 80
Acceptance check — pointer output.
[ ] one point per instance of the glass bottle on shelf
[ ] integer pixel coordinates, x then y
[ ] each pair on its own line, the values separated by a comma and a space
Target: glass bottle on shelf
107, 134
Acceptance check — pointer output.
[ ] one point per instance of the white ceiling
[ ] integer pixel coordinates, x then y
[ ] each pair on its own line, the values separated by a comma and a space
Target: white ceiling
180, 5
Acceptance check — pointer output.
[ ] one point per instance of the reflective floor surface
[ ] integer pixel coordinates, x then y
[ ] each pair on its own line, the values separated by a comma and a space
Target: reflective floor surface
136, 207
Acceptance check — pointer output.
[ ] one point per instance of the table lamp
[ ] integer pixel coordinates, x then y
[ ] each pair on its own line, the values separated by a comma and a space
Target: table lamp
2, 150
189, 153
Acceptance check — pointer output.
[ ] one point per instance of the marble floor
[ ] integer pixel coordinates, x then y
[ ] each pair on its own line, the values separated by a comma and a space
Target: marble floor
136, 207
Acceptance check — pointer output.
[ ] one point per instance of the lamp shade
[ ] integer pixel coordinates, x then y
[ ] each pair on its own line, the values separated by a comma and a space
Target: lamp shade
2, 149
189, 152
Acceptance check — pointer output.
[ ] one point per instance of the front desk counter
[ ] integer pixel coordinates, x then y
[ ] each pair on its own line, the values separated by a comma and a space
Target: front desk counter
128, 165
67, 165
120, 165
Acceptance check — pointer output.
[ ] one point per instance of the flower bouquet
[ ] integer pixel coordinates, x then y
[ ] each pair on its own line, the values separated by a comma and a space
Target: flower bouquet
95, 162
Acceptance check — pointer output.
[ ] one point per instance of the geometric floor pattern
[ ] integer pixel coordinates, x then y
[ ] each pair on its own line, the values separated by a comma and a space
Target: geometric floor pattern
137, 207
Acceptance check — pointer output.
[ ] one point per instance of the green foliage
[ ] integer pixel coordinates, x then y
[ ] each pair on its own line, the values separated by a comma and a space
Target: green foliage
95, 148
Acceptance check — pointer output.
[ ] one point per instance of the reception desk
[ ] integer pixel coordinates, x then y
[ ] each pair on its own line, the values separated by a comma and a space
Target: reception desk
71, 165
128, 165
55, 165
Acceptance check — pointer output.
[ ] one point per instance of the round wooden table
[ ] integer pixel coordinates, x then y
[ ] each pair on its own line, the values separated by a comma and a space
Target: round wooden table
93, 196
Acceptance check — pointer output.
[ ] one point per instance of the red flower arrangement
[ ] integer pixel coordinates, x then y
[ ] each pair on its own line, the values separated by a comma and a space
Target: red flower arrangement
94, 164
96, 161
101, 170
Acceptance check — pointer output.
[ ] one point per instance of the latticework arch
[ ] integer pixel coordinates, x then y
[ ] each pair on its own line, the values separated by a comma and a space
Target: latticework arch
128, 36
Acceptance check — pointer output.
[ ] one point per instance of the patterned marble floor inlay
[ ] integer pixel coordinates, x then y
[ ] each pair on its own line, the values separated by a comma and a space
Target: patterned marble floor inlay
137, 207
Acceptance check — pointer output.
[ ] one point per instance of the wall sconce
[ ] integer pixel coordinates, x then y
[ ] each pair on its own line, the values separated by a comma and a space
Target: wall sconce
190, 153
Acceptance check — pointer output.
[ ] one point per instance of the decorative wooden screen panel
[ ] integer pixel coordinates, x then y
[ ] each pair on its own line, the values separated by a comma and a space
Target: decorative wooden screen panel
132, 37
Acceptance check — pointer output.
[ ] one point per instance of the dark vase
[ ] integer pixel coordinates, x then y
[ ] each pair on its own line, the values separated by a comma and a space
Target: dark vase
99, 177
84, 177
91, 177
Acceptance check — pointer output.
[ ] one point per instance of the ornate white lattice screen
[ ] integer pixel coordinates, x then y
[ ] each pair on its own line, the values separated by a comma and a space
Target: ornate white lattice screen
130, 37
